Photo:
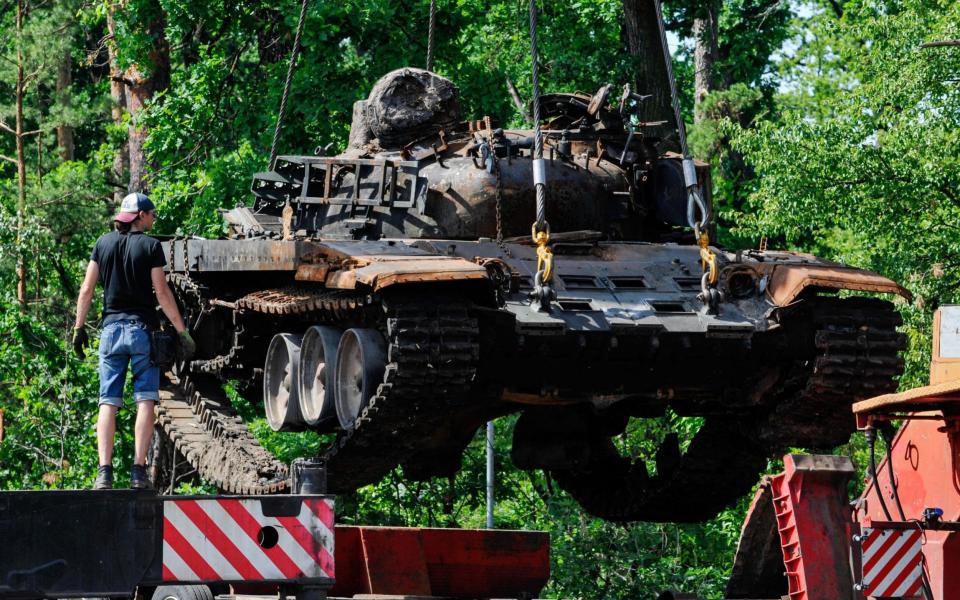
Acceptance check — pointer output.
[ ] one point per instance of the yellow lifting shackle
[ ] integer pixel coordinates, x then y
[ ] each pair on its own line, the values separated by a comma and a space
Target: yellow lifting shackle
544, 253
708, 259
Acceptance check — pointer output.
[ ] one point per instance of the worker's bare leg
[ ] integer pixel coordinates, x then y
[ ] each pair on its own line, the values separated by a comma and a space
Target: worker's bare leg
143, 431
106, 427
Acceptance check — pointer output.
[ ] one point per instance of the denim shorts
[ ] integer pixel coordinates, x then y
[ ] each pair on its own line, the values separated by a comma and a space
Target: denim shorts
125, 343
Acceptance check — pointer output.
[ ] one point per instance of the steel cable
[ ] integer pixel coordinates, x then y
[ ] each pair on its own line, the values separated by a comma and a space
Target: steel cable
540, 231
668, 61
709, 295
288, 83
430, 33
537, 137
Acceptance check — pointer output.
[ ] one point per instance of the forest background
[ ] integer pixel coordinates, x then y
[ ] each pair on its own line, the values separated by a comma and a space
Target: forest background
829, 128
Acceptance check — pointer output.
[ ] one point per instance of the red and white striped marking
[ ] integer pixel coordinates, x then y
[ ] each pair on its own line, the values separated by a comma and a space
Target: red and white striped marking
220, 540
892, 563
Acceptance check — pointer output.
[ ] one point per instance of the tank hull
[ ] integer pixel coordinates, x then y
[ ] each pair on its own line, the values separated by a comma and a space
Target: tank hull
627, 337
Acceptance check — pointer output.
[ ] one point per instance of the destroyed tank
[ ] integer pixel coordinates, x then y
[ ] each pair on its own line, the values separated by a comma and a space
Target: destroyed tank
383, 296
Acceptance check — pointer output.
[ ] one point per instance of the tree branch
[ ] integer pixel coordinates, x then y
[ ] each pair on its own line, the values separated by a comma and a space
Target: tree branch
39, 453
837, 9
950, 194
941, 44
8, 159
517, 101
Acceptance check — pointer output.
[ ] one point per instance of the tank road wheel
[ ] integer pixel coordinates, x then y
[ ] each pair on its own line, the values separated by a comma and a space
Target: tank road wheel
280, 381
318, 360
360, 364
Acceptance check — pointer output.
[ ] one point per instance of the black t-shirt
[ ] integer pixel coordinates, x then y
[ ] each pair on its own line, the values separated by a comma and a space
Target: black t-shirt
125, 261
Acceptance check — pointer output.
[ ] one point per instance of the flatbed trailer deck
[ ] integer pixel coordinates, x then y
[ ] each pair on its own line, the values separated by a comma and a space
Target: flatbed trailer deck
125, 543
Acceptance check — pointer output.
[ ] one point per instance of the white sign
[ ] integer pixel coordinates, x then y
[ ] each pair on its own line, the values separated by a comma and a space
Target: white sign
950, 331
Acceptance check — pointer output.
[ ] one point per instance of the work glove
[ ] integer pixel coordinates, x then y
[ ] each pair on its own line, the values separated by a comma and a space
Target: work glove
187, 346
80, 341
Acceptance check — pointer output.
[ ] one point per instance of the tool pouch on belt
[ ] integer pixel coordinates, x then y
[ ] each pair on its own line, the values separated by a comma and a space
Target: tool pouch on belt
163, 348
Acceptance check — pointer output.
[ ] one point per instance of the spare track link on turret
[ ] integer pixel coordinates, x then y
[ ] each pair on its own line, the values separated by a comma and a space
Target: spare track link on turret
857, 356
432, 355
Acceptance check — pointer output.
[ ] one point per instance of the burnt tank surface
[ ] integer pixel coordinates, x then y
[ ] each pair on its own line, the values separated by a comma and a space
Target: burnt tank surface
384, 295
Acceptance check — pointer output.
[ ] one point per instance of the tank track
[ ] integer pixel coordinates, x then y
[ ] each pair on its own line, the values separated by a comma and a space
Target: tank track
858, 357
857, 348
433, 353
198, 418
433, 350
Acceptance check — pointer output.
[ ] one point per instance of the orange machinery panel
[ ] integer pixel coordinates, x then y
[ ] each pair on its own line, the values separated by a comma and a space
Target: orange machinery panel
925, 456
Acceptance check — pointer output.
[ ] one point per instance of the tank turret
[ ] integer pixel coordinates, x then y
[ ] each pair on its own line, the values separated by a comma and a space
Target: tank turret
414, 169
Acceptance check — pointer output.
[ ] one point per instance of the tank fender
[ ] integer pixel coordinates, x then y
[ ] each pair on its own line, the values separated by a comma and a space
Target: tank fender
380, 274
378, 265
785, 282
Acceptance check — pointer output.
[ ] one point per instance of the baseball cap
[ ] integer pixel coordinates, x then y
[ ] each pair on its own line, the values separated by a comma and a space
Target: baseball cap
131, 206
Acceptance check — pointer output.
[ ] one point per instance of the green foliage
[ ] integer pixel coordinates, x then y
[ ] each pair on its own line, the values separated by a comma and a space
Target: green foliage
50, 401
871, 176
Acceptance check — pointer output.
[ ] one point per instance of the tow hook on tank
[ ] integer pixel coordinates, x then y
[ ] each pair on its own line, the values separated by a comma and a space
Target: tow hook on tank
543, 293
709, 295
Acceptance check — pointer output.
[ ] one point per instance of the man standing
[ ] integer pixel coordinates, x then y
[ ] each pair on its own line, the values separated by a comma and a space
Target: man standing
129, 265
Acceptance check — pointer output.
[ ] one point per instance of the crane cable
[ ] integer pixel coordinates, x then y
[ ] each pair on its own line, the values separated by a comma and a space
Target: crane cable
430, 33
288, 83
540, 230
695, 202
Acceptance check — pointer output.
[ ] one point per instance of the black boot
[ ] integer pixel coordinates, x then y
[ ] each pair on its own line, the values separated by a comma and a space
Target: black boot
104, 480
139, 479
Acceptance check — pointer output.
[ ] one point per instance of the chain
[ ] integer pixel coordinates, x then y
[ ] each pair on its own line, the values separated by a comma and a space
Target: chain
186, 259
499, 204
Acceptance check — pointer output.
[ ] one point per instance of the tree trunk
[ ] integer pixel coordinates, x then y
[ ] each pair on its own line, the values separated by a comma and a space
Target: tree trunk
640, 33
118, 93
64, 131
705, 33
144, 81
21, 162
